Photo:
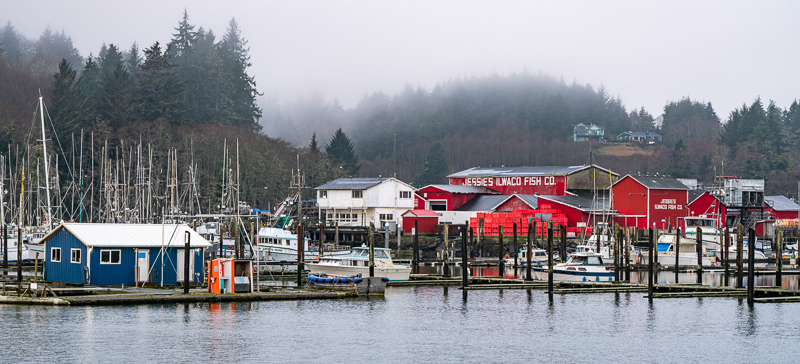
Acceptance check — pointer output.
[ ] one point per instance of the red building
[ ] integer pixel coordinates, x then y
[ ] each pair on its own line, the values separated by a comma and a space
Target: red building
703, 203
448, 197
426, 220
643, 200
781, 207
542, 180
579, 210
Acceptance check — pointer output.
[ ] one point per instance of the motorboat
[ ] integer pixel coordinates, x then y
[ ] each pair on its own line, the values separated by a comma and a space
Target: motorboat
357, 262
605, 250
688, 251
581, 267
538, 257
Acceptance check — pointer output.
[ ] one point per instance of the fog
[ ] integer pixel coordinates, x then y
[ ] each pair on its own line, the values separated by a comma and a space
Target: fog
647, 53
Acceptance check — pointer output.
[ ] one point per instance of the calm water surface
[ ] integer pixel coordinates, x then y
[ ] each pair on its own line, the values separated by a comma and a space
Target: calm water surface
427, 324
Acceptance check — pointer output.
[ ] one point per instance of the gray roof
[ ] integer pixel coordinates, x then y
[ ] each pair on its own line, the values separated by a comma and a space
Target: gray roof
132, 235
695, 194
641, 133
352, 183
463, 189
492, 202
521, 171
532, 200
781, 203
483, 203
660, 182
580, 203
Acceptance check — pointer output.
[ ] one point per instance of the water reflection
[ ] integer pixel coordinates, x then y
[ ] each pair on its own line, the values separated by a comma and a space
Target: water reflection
714, 278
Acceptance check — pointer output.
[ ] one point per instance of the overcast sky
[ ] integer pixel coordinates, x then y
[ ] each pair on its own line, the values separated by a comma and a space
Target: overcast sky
648, 53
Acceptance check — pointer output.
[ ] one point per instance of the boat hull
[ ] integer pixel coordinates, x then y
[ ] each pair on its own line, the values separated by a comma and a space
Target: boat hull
574, 276
393, 274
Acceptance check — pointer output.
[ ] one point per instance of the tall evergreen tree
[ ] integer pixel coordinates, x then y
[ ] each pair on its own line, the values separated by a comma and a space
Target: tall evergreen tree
89, 83
161, 92
68, 102
435, 170
133, 60
12, 45
240, 86
340, 148
116, 102
314, 146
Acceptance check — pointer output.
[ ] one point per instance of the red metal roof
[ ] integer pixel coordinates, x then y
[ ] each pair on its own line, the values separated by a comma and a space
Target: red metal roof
422, 213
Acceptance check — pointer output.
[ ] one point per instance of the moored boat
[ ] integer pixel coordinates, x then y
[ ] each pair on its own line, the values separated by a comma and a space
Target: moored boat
357, 262
582, 267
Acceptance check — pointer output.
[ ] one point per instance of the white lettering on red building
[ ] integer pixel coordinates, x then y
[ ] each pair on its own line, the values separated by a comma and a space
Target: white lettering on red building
667, 204
510, 181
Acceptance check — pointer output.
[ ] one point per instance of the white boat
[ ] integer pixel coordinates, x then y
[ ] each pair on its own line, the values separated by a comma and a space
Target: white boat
357, 262
712, 235
539, 257
278, 245
582, 267
27, 253
688, 251
605, 251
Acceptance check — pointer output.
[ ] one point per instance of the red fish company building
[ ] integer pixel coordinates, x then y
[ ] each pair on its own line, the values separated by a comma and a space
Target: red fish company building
541, 180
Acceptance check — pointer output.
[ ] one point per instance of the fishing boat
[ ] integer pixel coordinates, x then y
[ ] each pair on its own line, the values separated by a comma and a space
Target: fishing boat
27, 253
605, 251
357, 262
582, 267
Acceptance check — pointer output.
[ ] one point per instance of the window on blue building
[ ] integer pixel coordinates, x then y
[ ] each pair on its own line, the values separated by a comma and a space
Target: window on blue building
55, 255
75, 256
109, 257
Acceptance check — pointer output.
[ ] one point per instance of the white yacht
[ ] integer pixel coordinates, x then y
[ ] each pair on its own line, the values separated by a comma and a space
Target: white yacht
357, 262
605, 250
582, 267
688, 251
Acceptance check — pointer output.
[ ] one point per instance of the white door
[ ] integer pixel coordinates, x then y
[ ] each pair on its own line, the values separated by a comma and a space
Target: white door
142, 265
179, 264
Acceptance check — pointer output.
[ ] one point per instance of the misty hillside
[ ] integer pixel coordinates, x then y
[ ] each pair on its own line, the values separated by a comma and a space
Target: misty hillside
194, 78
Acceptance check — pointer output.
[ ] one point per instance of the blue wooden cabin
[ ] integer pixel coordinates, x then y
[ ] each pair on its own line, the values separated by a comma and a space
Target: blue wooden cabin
121, 254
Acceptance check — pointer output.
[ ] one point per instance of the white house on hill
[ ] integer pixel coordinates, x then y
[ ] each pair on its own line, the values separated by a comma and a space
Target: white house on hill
359, 201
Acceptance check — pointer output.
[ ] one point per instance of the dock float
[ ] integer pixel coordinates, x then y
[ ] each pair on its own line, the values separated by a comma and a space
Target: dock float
131, 299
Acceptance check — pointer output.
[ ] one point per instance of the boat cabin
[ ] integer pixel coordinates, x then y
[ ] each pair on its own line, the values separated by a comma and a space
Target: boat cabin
585, 259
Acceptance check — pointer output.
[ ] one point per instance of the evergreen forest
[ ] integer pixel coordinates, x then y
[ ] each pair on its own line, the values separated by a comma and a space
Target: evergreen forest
186, 98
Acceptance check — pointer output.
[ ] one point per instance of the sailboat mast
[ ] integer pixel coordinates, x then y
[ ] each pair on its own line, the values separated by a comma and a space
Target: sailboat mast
46, 173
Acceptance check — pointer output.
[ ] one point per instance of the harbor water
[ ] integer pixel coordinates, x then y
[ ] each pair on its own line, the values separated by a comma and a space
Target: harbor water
423, 324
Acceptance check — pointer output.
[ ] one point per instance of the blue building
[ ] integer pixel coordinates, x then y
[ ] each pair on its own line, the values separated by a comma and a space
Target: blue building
117, 254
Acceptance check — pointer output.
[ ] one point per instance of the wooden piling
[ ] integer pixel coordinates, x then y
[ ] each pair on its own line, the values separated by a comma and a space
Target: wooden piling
322, 237
650, 264
186, 257
5, 245
597, 234
446, 251
699, 249
372, 249
464, 272
531, 231
563, 246
726, 253
300, 243
751, 266
500, 250
550, 257
655, 244
516, 248
628, 255
480, 237
739, 255
778, 256
415, 250
19, 257
617, 252
677, 254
